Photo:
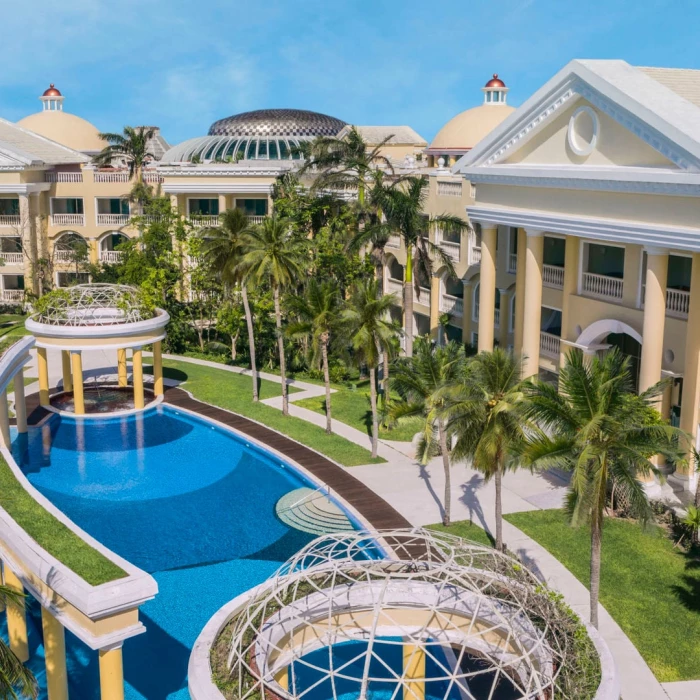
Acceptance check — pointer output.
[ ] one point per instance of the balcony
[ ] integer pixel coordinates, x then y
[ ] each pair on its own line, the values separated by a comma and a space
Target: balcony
549, 345
64, 256
114, 176
475, 255
424, 297
394, 287
111, 256
153, 178
449, 189
601, 286
394, 242
553, 276
12, 258
112, 219
12, 296
451, 305
63, 177
451, 248
202, 220
255, 219
512, 263
68, 219
677, 302
10, 220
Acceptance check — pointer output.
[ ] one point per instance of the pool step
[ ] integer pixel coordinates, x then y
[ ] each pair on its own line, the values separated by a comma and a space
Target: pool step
311, 511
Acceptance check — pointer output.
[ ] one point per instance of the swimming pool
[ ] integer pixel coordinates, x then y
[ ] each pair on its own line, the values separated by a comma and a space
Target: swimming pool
187, 501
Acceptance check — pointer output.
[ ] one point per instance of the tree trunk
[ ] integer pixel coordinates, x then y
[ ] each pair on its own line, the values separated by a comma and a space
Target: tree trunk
596, 546
280, 348
446, 518
408, 301
386, 376
499, 508
327, 380
373, 404
234, 342
251, 340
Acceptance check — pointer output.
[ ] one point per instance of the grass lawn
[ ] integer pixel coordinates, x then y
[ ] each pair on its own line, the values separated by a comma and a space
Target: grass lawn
233, 392
467, 530
353, 408
51, 534
651, 588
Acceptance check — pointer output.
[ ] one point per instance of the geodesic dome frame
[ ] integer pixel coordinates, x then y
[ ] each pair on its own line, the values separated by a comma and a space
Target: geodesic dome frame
476, 616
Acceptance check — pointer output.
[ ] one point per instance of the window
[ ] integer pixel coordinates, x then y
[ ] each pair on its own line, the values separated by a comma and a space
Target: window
12, 282
9, 207
679, 272
550, 321
605, 260
67, 205
10, 244
113, 206
252, 207
204, 207
70, 279
554, 251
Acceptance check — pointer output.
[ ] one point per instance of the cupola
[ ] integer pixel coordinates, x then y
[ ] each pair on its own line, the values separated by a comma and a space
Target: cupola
495, 91
52, 99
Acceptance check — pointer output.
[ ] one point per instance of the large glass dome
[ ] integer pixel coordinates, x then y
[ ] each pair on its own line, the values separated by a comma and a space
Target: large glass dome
264, 134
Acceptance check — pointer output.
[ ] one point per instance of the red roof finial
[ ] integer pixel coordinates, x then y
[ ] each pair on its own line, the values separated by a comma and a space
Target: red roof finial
495, 82
52, 92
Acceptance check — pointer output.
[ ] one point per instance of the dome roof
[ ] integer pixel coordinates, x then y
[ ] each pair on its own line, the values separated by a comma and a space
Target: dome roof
495, 82
465, 130
277, 122
67, 129
52, 91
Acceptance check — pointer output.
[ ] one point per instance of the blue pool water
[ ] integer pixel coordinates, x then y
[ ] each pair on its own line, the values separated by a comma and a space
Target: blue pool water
186, 501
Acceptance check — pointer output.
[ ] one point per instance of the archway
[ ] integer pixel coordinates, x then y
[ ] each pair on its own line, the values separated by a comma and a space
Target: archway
109, 246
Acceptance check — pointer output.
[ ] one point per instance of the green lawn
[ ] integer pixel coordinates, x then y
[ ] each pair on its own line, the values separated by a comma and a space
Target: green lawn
51, 534
233, 392
467, 530
353, 408
651, 588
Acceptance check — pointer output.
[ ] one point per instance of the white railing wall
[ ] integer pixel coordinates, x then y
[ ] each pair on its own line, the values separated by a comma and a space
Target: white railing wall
553, 276
12, 258
10, 220
113, 219
111, 256
68, 219
394, 286
451, 305
63, 177
601, 286
116, 176
549, 344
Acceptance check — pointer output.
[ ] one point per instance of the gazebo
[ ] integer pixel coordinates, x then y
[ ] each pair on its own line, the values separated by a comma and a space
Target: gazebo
89, 317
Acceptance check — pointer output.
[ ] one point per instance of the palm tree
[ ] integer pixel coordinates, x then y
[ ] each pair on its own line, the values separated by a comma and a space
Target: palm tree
692, 521
131, 146
15, 679
598, 428
485, 415
222, 249
274, 256
403, 207
366, 316
423, 382
318, 313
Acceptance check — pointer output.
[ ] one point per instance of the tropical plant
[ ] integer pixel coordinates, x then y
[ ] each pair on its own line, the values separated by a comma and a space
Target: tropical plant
16, 680
317, 312
423, 382
595, 426
484, 413
273, 255
132, 146
223, 248
369, 329
692, 521
403, 206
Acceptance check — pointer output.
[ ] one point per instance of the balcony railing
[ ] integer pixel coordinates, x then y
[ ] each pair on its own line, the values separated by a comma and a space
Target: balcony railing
68, 219
602, 286
153, 177
394, 286
475, 255
496, 318
111, 256
63, 177
677, 302
424, 296
549, 344
112, 177
553, 276
394, 242
449, 189
451, 248
12, 296
512, 263
255, 219
65, 256
451, 305
113, 219
9, 220
12, 258
204, 219
475, 310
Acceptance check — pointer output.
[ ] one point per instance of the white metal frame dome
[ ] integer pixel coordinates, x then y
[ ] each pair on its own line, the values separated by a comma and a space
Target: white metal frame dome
478, 617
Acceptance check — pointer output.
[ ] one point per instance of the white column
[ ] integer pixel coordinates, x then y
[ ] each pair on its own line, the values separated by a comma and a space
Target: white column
20, 403
533, 302
487, 286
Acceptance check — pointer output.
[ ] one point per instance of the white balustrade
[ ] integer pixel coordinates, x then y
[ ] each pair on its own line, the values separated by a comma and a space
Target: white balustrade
496, 318
204, 219
549, 344
68, 219
394, 286
63, 177
115, 176
111, 256
553, 276
394, 242
677, 302
153, 178
254, 219
451, 305
475, 310
602, 286
12, 258
451, 248
512, 262
64, 256
475, 255
449, 189
113, 219
9, 220
424, 296
152, 218
12, 296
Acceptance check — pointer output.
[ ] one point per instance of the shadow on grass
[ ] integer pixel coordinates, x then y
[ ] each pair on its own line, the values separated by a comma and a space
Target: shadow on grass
689, 592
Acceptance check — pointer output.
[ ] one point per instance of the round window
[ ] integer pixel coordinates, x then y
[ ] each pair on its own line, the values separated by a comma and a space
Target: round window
583, 131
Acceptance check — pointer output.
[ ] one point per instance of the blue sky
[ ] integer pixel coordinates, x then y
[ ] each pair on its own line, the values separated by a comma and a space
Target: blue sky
182, 64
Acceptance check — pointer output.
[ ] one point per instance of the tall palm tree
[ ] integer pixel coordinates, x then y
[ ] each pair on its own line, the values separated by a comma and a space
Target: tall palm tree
366, 316
600, 430
423, 383
318, 318
484, 412
16, 680
132, 146
403, 206
273, 255
222, 250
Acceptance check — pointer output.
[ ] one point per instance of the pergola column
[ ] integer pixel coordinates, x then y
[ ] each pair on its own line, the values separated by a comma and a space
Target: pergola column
487, 287
158, 368
55, 656
137, 370
5, 421
533, 302
16, 618
121, 367
414, 668
43, 370
78, 396
67, 370
111, 674
20, 402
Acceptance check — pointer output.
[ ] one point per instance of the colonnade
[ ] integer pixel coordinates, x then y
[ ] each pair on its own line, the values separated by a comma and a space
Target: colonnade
20, 410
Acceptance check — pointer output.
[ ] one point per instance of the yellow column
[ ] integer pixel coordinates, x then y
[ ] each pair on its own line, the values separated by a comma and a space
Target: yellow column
43, 368
467, 312
223, 203
5, 421
158, 368
78, 397
654, 318
487, 286
137, 367
94, 252
505, 318
568, 323
533, 303
67, 376
20, 402
55, 656
414, 668
16, 618
520, 293
121, 366
111, 674
435, 307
